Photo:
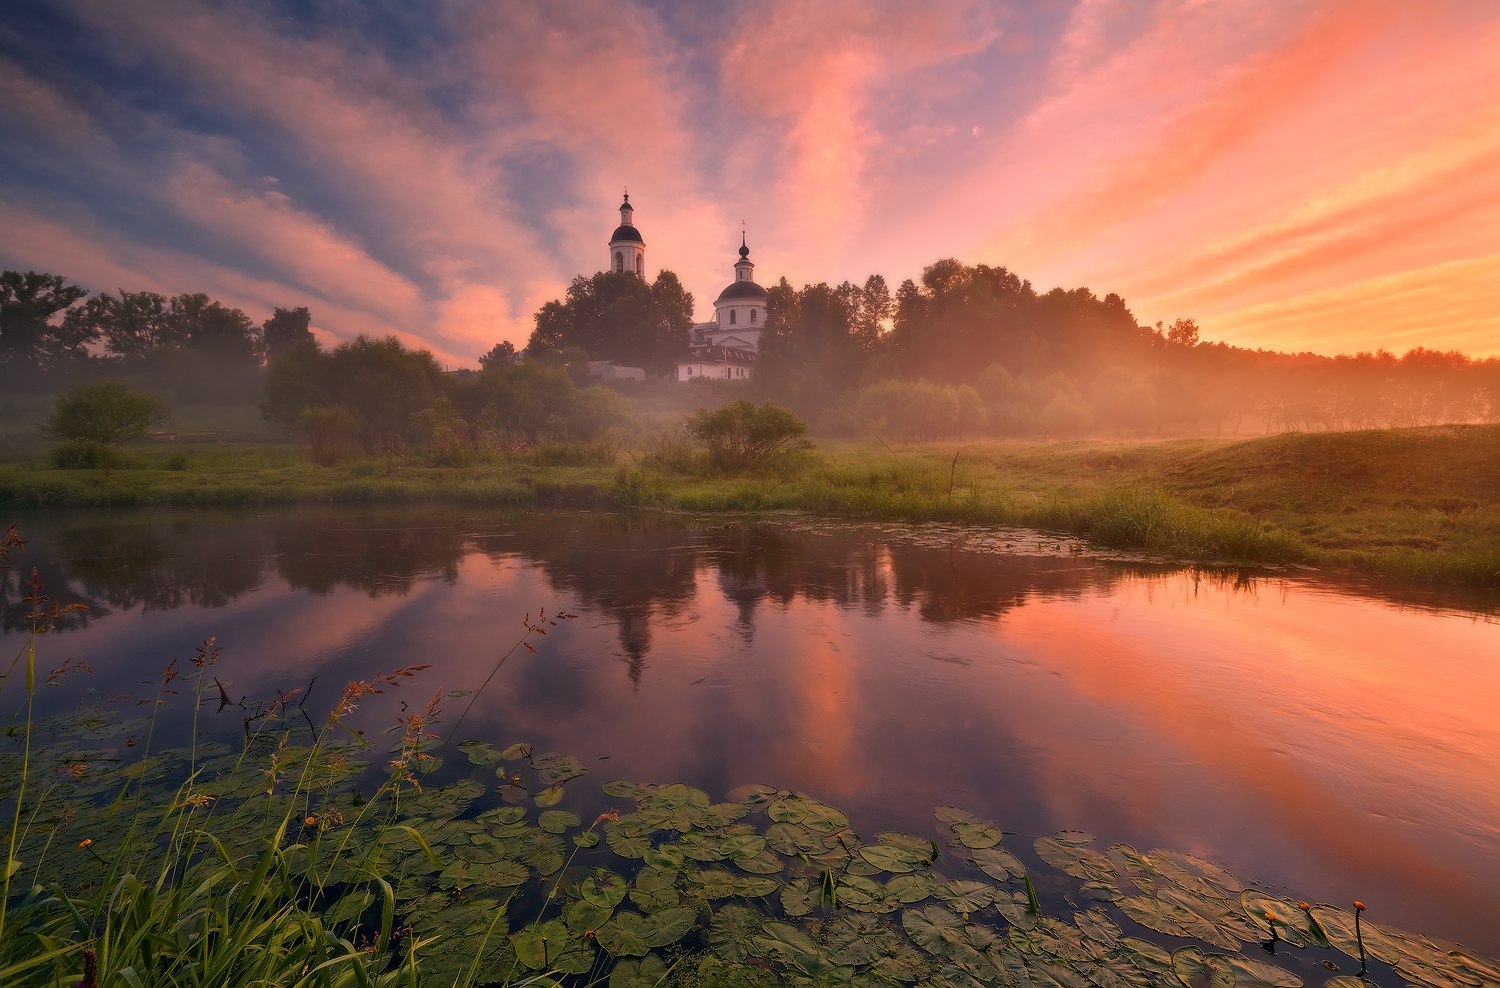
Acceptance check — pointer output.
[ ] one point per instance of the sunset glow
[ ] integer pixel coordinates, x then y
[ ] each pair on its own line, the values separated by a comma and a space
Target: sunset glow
1319, 175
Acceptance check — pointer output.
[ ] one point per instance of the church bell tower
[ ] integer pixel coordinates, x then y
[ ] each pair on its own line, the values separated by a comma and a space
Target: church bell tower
627, 251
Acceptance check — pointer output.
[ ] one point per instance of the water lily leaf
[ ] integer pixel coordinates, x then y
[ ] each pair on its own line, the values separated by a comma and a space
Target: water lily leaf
678, 794
752, 794
701, 847
479, 752
588, 838
907, 889
715, 883
1150, 963
965, 896
1293, 925
550, 796
627, 836
648, 972
933, 928
854, 940
730, 931
1338, 926
1194, 969
888, 857
722, 813
952, 815
541, 850
764, 863
1174, 918
793, 839
1192, 873
786, 941
504, 816
798, 897
538, 946
741, 843
976, 834
998, 863
557, 821
603, 888
664, 856
553, 768
582, 916
503, 874
755, 886
623, 790
1075, 858
667, 926
1133, 865
517, 752
865, 895
625, 935
815, 816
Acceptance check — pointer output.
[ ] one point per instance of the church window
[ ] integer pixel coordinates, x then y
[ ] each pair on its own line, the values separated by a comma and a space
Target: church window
640, 265
619, 262
731, 317
752, 315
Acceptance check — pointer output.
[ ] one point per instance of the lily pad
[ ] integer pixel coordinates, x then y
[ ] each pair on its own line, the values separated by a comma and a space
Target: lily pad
648, 972
730, 932
1194, 968
1074, 857
603, 888
998, 863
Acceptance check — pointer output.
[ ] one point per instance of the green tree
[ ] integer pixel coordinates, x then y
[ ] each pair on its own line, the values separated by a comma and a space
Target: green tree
744, 436
499, 355
296, 381
383, 384
107, 413
618, 317
285, 329
131, 325
29, 335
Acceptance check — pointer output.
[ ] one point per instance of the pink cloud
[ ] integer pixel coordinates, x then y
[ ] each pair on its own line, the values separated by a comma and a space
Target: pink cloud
811, 72
1130, 181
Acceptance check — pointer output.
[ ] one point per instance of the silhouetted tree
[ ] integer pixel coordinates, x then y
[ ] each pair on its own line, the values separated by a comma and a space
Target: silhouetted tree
499, 355
29, 337
285, 329
618, 317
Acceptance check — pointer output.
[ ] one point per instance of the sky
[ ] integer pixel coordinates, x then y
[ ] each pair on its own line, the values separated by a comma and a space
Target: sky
1303, 175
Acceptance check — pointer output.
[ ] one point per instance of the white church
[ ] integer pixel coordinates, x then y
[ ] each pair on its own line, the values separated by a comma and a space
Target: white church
725, 348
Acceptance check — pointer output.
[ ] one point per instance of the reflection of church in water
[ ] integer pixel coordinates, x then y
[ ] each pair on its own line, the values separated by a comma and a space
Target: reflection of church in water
724, 348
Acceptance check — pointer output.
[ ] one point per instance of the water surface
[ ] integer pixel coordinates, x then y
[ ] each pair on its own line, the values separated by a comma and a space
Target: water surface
1322, 740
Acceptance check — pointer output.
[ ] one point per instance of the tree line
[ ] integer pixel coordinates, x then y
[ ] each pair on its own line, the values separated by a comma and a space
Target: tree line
52, 331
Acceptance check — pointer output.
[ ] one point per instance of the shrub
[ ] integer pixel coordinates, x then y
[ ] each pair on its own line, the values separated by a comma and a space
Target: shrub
87, 456
743, 436
107, 413
328, 429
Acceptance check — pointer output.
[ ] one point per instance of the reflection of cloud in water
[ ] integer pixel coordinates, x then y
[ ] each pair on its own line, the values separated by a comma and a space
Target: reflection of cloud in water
1299, 734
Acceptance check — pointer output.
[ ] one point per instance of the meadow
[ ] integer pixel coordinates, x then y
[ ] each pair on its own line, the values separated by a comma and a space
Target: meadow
1412, 505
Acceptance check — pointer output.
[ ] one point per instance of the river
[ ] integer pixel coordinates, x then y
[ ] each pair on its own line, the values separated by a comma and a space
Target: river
1326, 741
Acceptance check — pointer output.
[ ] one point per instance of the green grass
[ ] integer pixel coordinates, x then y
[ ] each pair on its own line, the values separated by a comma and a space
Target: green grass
1412, 504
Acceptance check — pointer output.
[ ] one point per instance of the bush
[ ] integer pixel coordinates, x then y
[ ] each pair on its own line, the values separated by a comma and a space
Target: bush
87, 456
742, 436
104, 413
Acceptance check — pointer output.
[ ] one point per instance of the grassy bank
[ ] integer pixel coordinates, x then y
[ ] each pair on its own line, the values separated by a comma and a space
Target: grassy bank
1414, 504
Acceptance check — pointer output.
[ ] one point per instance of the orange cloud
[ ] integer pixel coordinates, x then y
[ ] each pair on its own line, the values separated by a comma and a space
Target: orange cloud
1250, 97
1445, 307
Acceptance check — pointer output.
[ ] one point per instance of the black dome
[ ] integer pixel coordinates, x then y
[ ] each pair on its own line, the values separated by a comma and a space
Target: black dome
742, 291
627, 233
